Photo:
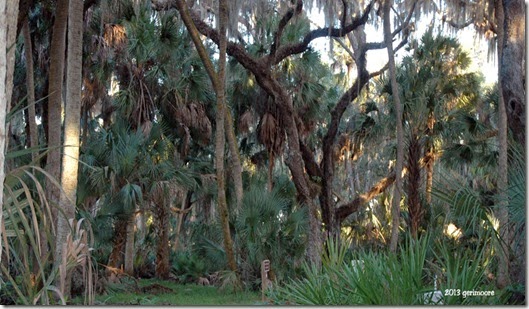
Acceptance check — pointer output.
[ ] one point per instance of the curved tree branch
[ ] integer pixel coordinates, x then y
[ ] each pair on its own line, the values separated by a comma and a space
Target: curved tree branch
297, 48
294, 11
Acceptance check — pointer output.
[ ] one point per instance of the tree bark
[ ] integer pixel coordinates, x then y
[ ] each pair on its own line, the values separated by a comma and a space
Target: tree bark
395, 207
502, 212
220, 138
56, 74
129, 245
512, 69
235, 159
3, 107
70, 159
30, 84
12, 17
162, 242
119, 239
218, 80
413, 184
327, 165
8, 21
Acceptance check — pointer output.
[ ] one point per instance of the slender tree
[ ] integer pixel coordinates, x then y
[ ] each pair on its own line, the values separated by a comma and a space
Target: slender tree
3, 106
502, 211
397, 192
8, 21
55, 89
218, 81
70, 159
30, 84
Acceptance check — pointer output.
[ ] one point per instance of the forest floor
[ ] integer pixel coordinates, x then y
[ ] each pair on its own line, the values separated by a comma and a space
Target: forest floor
166, 293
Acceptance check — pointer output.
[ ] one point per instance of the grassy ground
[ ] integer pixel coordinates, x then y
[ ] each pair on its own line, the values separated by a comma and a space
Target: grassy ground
166, 293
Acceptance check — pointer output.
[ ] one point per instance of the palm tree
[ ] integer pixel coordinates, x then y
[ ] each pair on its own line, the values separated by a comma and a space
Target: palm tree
433, 85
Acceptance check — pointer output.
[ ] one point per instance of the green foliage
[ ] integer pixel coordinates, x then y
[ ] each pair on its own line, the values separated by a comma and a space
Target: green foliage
188, 266
385, 278
29, 277
462, 270
269, 226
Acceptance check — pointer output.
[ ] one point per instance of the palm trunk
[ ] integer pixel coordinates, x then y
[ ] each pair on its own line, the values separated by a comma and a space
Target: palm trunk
413, 186
129, 245
395, 207
70, 160
502, 212
429, 159
56, 74
162, 242
120, 236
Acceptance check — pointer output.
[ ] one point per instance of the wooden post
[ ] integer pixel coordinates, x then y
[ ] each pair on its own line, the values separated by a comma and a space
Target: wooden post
265, 282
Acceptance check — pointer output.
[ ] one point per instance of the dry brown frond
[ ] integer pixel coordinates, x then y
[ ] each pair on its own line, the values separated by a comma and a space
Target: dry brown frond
271, 134
245, 121
115, 36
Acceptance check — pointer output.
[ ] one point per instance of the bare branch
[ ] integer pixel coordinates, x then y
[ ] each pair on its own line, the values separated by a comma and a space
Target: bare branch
294, 11
403, 26
297, 48
457, 25
353, 206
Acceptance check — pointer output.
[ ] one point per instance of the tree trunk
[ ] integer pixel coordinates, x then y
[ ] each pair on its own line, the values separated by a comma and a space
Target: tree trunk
186, 199
395, 207
512, 69
218, 80
235, 159
8, 21
3, 106
413, 185
129, 245
30, 84
220, 140
332, 224
11, 17
120, 236
162, 242
56, 74
502, 212
70, 159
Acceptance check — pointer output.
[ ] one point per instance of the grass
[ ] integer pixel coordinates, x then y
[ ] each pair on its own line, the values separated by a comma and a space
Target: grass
166, 293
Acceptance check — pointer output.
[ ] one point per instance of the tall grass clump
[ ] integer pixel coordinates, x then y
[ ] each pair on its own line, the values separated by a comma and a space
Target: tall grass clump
28, 276
368, 279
